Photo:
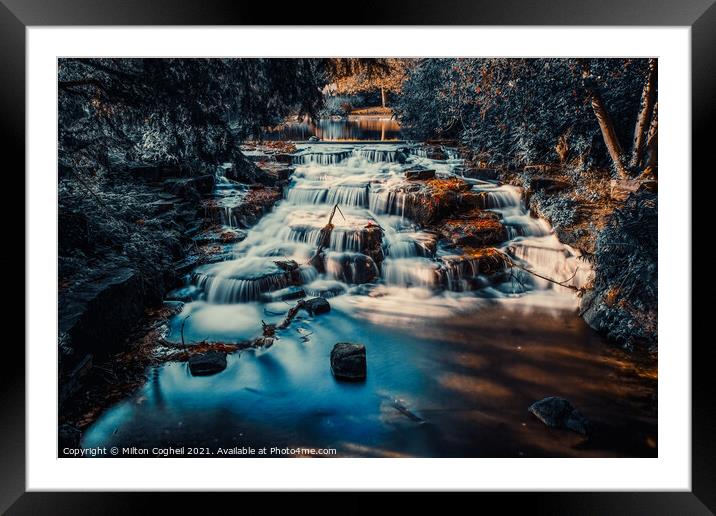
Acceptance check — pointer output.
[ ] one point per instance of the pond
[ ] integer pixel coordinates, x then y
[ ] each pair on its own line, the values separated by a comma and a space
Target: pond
328, 129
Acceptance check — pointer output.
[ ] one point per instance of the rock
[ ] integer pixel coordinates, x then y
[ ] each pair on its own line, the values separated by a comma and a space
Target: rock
243, 170
419, 174
99, 313
314, 139
477, 228
620, 189
348, 361
433, 199
69, 437
72, 231
316, 306
435, 152
541, 169
283, 157
184, 294
557, 412
285, 294
189, 187
484, 174
208, 363
353, 268
400, 157
245, 214
255, 155
549, 184
326, 289
151, 172
466, 271
283, 174
161, 206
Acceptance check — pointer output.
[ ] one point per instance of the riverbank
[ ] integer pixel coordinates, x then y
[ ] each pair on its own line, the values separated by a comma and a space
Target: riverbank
612, 222
127, 237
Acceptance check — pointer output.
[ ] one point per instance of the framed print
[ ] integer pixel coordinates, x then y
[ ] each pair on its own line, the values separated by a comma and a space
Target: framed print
426, 251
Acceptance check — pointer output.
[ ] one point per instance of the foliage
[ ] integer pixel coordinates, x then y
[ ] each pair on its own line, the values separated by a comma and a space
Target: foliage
177, 110
518, 111
626, 270
370, 75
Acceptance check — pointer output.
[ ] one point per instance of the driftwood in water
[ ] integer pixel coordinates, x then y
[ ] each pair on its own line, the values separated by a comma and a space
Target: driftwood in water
324, 240
293, 311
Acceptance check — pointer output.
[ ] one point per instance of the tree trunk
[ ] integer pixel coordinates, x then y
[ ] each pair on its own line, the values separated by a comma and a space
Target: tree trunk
608, 133
382, 96
648, 97
606, 125
652, 145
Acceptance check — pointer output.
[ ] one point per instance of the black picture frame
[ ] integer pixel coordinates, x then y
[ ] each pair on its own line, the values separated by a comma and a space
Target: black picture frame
700, 15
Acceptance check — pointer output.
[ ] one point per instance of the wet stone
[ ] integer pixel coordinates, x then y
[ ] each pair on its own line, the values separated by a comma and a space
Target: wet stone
419, 173
207, 364
285, 294
557, 412
348, 361
317, 306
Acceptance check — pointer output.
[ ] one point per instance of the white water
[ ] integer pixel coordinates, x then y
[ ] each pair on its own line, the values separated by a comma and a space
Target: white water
416, 274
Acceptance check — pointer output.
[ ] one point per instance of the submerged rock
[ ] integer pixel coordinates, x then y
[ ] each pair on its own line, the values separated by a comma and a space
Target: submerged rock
207, 364
348, 361
557, 412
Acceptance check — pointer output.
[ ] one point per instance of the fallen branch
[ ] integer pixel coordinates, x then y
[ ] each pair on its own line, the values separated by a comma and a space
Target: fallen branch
324, 238
512, 263
291, 314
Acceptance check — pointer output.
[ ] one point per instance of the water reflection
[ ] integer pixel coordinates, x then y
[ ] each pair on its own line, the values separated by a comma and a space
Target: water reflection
353, 128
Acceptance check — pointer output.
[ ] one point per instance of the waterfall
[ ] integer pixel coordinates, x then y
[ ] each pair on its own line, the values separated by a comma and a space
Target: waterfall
371, 241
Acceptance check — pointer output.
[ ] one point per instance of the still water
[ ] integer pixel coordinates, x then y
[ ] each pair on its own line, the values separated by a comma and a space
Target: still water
353, 128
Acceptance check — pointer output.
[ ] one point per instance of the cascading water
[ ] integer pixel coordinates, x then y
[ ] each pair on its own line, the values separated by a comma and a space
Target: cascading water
372, 242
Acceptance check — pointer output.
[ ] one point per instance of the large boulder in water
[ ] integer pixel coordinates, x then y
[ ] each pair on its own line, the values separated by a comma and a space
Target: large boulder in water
316, 306
208, 363
428, 201
353, 268
348, 361
557, 412
477, 228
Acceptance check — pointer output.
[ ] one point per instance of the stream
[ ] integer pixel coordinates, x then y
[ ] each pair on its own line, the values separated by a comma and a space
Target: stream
454, 358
